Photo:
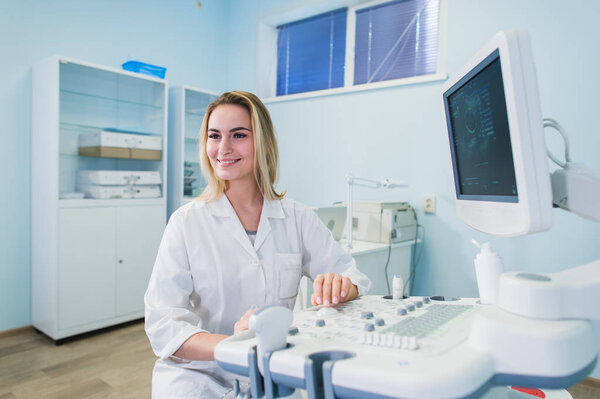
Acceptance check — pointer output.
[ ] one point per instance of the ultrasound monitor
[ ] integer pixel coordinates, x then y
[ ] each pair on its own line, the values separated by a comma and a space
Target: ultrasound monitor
495, 129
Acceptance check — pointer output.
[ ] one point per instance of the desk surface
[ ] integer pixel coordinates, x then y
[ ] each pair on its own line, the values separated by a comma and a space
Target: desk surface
365, 247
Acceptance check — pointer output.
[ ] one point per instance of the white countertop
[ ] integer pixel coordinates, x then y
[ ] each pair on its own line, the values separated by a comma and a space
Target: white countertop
365, 247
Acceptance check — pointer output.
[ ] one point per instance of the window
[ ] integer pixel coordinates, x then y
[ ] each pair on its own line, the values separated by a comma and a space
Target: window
311, 52
355, 47
395, 40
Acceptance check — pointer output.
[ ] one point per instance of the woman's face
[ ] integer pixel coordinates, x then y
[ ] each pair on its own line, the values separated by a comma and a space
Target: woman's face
230, 143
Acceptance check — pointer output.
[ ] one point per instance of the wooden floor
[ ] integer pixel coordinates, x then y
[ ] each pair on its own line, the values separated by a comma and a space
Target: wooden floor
113, 364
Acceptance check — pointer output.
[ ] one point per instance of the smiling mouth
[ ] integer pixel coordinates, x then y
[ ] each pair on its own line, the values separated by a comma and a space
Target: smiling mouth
226, 162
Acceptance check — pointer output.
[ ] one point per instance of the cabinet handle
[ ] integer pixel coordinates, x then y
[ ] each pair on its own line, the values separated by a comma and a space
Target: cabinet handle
120, 260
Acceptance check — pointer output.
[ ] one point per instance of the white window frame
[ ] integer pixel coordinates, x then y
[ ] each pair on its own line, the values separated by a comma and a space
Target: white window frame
266, 55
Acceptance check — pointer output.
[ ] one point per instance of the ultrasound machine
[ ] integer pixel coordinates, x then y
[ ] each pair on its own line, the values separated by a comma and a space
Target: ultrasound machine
537, 334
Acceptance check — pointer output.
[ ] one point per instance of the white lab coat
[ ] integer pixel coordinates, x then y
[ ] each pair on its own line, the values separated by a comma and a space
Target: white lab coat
208, 274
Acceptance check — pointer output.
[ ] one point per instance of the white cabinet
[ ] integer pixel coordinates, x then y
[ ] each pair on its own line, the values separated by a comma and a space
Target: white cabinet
86, 259
138, 231
92, 258
187, 107
105, 258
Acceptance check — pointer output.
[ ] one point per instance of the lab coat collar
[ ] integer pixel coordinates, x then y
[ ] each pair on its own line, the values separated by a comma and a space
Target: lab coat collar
272, 209
221, 207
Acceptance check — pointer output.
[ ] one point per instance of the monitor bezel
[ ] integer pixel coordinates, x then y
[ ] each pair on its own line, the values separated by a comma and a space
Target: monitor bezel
532, 212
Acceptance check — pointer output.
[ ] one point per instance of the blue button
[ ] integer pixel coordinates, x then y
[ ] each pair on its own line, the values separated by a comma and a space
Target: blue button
366, 315
293, 330
401, 311
369, 327
320, 323
380, 322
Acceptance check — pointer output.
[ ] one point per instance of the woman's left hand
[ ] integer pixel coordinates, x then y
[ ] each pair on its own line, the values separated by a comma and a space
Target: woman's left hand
331, 289
242, 323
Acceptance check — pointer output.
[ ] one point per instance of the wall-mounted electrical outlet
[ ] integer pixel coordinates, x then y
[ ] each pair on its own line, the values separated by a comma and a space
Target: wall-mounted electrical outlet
429, 206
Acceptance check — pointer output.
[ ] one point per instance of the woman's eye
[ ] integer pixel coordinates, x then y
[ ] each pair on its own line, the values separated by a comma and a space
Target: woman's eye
213, 136
240, 135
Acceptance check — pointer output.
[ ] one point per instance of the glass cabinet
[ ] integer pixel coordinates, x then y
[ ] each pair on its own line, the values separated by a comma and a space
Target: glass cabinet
98, 200
187, 107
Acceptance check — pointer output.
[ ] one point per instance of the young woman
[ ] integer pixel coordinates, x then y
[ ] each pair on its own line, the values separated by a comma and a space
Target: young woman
239, 246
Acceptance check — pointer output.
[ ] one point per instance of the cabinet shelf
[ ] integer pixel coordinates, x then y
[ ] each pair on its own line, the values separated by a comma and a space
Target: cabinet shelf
81, 126
116, 100
94, 203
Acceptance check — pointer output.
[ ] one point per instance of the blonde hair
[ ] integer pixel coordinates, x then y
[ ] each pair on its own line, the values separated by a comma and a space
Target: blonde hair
266, 154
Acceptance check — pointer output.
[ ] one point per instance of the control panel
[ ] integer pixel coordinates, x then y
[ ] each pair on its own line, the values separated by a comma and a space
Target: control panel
411, 348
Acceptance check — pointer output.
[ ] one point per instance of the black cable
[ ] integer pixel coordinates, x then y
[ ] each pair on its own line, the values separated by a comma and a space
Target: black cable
414, 260
418, 259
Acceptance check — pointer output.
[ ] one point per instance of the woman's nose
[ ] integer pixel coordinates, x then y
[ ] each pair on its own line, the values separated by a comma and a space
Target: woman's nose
225, 146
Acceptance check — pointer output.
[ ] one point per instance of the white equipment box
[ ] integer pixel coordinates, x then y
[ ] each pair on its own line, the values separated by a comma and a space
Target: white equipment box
376, 221
127, 191
106, 138
117, 177
374, 347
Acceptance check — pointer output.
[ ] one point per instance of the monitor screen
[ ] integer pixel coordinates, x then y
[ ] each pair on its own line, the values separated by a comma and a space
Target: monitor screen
480, 137
496, 138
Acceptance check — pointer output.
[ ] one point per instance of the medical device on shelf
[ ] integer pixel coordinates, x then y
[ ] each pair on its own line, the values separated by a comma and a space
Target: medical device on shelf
384, 222
352, 181
118, 177
116, 143
104, 184
537, 335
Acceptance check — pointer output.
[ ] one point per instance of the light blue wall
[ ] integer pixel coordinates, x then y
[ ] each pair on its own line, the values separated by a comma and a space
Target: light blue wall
190, 42
400, 133
397, 133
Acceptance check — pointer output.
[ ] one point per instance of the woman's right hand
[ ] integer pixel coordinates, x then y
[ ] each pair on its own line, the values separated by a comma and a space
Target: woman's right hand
242, 323
331, 289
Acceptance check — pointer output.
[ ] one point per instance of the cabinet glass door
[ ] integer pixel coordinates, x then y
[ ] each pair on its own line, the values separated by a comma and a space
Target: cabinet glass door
94, 102
195, 107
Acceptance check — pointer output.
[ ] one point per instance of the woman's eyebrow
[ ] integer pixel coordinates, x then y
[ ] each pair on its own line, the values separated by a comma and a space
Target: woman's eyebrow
235, 129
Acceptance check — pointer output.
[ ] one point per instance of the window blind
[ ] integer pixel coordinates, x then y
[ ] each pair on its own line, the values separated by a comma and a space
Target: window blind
311, 53
397, 39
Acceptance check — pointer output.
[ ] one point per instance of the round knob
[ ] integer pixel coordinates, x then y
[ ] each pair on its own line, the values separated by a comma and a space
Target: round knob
366, 315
